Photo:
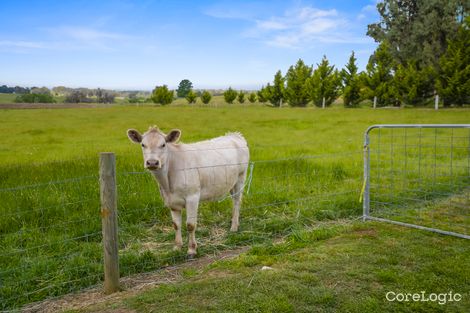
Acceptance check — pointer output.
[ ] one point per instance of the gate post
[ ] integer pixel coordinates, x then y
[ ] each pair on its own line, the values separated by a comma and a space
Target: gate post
366, 187
108, 195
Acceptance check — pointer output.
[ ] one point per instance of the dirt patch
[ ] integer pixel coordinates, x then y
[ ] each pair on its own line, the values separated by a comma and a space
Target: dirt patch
130, 285
366, 232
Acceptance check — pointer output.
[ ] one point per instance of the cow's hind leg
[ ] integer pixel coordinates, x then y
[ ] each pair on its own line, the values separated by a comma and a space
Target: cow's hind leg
176, 217
237, 193
192, 204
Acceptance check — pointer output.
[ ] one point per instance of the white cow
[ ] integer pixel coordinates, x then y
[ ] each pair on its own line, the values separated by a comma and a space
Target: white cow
190, 173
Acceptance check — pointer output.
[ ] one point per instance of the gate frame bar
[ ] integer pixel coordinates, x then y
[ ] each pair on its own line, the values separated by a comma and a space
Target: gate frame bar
366, 199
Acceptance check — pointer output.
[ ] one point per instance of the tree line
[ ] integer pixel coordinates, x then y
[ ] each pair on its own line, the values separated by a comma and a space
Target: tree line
423, 51
70, 95
163, 95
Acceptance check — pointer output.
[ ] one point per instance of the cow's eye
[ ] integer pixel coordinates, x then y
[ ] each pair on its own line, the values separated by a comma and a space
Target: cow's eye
163, 145
143, 146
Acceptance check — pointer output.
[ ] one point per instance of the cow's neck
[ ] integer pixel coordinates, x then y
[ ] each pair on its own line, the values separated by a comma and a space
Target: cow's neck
162, 178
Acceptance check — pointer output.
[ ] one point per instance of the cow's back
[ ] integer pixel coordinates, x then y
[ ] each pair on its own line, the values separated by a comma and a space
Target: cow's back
210, 168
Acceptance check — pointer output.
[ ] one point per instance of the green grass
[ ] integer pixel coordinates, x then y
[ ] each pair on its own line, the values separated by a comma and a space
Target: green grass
50, 232
344, 267
7, 98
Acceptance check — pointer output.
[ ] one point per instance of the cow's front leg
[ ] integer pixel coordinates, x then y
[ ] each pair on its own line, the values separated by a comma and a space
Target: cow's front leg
192, 204
176, 217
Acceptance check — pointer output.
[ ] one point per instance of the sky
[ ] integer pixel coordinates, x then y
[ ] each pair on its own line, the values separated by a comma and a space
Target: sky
130, 44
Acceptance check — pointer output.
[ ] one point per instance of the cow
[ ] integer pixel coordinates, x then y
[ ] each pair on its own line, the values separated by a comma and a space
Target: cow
190, 173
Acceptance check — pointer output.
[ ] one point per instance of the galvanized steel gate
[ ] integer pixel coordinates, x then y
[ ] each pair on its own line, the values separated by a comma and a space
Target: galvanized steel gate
418, 175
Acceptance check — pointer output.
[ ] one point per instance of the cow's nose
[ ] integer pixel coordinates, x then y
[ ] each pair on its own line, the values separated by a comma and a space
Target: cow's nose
152, 163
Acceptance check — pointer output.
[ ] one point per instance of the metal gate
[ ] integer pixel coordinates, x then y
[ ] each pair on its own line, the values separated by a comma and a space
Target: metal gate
418, 175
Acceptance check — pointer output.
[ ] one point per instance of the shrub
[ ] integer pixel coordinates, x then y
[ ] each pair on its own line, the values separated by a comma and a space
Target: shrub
34, 98
252, 97
162, 95
191, 97
241, 96
77, 96
230, 95
206, 97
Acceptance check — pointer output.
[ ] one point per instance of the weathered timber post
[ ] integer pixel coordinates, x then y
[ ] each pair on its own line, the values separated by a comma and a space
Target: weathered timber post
108, 194
375, 102
323, 103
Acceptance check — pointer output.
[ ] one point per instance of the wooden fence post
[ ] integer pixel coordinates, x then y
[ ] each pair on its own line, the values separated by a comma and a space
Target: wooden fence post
108, 195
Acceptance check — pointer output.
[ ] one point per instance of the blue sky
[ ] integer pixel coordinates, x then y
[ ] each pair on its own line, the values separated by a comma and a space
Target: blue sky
140, 44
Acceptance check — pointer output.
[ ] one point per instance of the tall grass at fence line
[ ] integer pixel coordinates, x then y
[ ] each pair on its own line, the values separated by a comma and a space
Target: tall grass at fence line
51, 231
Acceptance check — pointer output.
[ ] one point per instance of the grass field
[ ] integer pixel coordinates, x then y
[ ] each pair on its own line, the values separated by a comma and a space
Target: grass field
50, 233
7, 98
333, 268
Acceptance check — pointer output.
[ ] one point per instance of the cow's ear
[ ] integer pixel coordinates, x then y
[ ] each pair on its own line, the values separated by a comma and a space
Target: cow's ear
134, 135
173, 136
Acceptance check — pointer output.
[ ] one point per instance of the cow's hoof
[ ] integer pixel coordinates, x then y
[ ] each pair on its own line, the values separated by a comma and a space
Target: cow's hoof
234, 229
177, 248
191, 256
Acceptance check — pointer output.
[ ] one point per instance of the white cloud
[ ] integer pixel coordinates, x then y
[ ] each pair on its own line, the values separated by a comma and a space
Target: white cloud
297, 28
302, 27
367, 11
21, 44
67, 38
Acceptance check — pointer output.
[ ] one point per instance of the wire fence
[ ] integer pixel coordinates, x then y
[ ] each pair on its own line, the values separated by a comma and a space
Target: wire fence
51, 235
419, 176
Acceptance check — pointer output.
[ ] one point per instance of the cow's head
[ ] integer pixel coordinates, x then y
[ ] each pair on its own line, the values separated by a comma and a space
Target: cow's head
154, 145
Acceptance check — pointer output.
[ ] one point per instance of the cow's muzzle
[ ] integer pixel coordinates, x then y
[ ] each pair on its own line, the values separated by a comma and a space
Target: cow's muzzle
153, 164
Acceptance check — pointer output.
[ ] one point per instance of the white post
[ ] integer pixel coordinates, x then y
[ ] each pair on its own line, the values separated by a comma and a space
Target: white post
323, 103
436, 102
375, 102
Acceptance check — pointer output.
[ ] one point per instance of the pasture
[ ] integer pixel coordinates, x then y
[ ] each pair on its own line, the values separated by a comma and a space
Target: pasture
308, 171
7, 98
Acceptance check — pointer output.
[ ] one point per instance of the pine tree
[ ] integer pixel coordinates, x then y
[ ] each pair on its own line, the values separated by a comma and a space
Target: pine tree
206, 97
277, 90
454, 81
351, 83
241, 97
378, 79
191, 97
230, 95
413, 86
296, 92
252, 97
184, 88
324, 84
263, 94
